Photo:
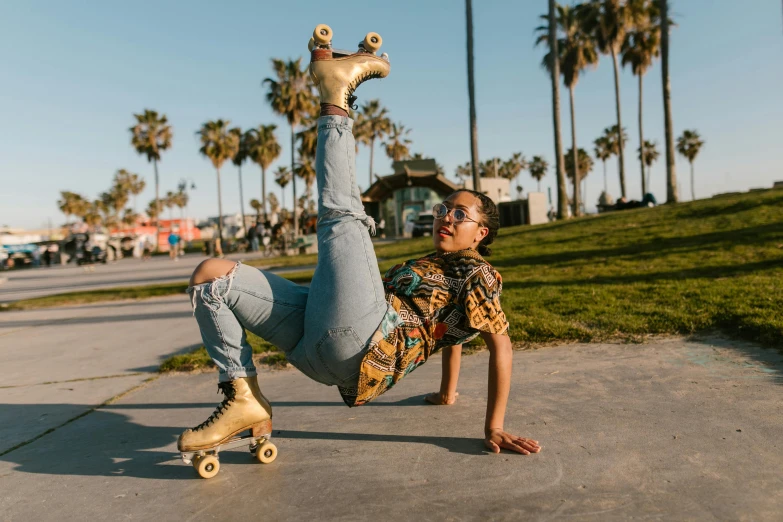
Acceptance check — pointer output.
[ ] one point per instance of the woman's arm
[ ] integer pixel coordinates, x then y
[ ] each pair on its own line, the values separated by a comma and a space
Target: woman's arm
495, 437
452, 355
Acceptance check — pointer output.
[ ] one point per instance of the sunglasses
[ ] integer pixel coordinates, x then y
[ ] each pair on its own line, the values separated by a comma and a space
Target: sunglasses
440, 211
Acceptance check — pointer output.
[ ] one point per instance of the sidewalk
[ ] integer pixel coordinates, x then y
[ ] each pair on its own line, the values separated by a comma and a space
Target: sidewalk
671, 430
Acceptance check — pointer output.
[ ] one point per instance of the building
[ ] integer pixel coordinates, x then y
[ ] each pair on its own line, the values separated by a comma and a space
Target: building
417, 185
399, 198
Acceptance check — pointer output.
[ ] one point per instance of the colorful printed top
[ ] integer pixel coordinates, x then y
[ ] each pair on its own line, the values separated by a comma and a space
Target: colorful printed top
436, 301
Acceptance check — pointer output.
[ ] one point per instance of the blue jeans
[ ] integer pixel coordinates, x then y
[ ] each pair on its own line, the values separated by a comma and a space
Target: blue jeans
323, 330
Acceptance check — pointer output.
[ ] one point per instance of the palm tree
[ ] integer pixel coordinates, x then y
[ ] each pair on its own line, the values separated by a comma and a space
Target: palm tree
129, 217
376, 126
291, 95
239, 158
257, 206
608, 20
282, 178
130, 182
218, 144
360, 130
641, 45
92, 213
513, 167
398, 144
274, 205
538, 168
150, 136
585, 163
603, 151
180, 200
463, 172
577, 52
68, 204
648, 155
305, 170
168, 202
554, 76
672, 195
153, 209
474, 155
264, 149
689, 145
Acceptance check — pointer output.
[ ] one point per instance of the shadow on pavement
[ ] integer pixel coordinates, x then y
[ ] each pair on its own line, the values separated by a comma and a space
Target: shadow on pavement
108, 443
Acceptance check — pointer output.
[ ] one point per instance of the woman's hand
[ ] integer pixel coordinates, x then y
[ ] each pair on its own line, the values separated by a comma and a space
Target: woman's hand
441, 399
496, 439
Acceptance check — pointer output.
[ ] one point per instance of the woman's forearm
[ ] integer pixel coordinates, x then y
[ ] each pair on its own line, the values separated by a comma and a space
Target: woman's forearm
452, 356
500, 359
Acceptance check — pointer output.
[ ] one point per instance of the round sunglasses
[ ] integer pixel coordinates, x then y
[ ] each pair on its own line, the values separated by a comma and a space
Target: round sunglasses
440, 211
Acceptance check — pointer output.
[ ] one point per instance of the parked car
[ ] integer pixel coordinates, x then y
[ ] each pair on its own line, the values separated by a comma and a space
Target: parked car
423, 225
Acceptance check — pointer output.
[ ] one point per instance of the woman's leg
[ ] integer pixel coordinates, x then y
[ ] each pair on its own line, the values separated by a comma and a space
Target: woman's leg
229, 298
346, 302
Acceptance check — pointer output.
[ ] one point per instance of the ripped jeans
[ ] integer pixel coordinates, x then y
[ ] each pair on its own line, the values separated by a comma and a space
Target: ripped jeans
323, 330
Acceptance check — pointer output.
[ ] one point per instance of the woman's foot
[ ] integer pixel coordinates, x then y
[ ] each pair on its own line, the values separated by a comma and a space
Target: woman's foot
337, 74
244, 408
441, 399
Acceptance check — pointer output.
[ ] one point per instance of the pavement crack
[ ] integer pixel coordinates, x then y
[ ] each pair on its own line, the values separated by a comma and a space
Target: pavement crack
107, 402
74, 380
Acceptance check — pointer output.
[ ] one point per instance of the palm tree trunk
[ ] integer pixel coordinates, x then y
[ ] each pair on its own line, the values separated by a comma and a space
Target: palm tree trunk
220, 213
693, 190
474, 157
263, 192
242, 201
293, 184
539, 185
641, 140
574, 152
157, 204
671, 174
372, 154
562, 188
606, 190
282, 193
621, 153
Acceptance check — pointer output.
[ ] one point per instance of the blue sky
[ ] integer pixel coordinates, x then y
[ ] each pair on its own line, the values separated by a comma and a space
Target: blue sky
73, 74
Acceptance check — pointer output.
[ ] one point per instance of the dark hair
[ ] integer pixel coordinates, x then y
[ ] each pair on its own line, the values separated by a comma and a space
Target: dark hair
490, 218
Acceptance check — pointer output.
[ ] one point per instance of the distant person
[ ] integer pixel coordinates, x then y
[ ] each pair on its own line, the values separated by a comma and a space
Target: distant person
47, 257
382, 228
265, 235
146, 251
173, 245
252, 237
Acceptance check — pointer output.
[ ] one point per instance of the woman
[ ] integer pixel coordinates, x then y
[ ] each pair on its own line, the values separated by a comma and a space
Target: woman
350, 328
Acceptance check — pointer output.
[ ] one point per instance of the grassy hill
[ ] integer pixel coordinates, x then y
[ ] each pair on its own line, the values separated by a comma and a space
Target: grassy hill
714, 264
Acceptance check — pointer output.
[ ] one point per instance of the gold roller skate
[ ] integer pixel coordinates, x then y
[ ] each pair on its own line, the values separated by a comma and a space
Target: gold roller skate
243, 408
338, 73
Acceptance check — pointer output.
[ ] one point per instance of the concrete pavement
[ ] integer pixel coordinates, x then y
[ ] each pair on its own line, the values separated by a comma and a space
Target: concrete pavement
671, 430
61, 362
26, 284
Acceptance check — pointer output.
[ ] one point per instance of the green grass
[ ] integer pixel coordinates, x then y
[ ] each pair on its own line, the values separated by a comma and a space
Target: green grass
93, 296
199, 359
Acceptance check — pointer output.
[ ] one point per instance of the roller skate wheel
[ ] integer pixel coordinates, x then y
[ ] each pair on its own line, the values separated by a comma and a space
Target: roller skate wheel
372, 42
207, 466
266, 453
311, 44
322, 35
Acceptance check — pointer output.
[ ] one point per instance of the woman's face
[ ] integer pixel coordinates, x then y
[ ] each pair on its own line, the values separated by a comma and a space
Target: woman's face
449, 236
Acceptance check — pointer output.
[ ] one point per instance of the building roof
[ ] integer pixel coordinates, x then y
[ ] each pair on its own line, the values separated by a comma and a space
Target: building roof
411, 173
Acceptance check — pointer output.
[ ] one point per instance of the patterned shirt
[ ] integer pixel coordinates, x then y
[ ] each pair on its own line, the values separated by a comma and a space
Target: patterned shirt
436, 301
